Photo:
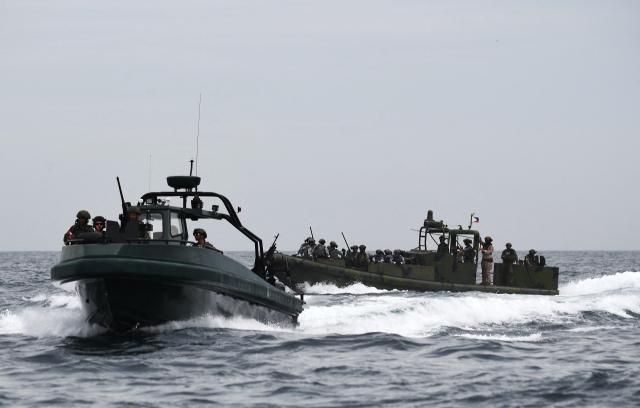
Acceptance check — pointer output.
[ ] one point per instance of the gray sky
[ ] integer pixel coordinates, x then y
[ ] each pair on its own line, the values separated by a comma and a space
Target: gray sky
354, 116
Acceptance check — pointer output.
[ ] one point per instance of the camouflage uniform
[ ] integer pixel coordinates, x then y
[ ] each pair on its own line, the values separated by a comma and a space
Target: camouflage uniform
78, 228
509, 257
334, 253
443, 248
362, 258
350, 258
468, 253
397, 259
487, 261
388, 256
320, 251
379, 256
530, 259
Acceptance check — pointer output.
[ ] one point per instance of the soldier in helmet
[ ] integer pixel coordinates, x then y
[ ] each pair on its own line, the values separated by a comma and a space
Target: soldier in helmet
99, 223
388, 256
530, 258
81, 225
379, 256
200, 235
468, 253
350, 257
487, 260
362, 259
133, 216
320, 251
304, 247
509, 257
443, 248
397, 259
334, 253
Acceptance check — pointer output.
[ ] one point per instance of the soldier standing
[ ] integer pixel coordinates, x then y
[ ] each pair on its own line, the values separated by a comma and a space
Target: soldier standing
303, 248
81, 225
334, 253
388, 256
530, 258
350, 258
487, 260
320, 251
443, 248
200, 236
509, 257
362, 259
468, 253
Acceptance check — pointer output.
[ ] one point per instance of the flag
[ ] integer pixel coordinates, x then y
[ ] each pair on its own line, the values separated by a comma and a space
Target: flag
476, 219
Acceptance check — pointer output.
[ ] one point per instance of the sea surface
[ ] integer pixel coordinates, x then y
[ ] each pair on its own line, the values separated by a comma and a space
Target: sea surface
354, 347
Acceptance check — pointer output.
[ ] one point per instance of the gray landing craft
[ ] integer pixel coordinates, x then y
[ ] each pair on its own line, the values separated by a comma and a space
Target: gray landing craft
146, 272
425, 269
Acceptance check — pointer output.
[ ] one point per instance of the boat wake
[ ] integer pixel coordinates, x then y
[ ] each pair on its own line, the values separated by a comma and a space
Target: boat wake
583, 305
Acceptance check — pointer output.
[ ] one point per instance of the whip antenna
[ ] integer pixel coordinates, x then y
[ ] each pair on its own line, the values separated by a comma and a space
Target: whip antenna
149, 172
198, 134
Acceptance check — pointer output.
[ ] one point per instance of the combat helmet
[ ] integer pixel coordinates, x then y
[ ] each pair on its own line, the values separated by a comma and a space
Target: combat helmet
353, 248
362, 247
84, 214
322, 241
135, 210
201, 231
467, 240
533, 251
333, 244
488, 238
99, 218
508, 245
379, 252
387, 252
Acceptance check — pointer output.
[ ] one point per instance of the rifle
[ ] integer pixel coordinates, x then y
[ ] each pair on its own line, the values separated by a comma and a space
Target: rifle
345, 241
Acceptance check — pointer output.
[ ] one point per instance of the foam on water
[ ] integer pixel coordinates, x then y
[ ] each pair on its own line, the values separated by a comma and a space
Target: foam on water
58, 315
329, 289
358, 309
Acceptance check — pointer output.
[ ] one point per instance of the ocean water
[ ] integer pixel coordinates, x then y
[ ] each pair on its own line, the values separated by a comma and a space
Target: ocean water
355, 346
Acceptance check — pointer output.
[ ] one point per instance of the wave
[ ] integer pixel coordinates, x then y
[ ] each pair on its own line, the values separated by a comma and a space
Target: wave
618, 281
59, 315
359, 309
329, 289
532, 338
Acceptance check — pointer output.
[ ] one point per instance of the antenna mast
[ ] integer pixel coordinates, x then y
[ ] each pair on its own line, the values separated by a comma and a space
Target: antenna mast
198, 134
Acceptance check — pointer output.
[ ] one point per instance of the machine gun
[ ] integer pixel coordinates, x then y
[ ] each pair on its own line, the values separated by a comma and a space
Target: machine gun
124, 216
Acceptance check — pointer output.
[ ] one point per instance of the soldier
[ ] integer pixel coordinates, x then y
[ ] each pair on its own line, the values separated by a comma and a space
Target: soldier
200, 236
350, 257
320, 251
81, 225
98, 223
133, 214
530, 258
311, 245
334, 253
388, 256
468, 253
379, 256
487, 260
509, 257
362, 259
443, 248
304, 247
397, 259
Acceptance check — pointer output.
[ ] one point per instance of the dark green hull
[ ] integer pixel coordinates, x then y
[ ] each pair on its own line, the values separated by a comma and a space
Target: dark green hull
442, 274
123, 286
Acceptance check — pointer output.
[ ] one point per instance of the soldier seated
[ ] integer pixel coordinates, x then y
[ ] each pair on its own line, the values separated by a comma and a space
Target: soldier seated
397, 259
98, 223
379, 256
388, 256
81, 225
200, 236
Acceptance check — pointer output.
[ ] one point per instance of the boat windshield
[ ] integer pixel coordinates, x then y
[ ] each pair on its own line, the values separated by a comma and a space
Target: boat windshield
176, 226
153, 219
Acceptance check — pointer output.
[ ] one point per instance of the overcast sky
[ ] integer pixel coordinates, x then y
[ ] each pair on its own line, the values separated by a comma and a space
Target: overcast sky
354, 116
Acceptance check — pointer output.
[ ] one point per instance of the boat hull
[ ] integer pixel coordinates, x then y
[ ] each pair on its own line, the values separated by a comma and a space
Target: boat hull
422, 278
124, 286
